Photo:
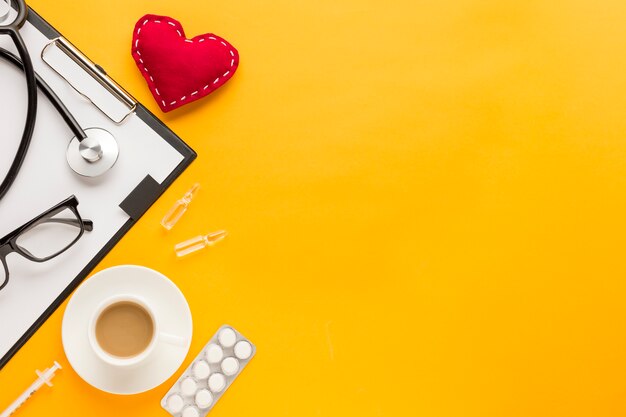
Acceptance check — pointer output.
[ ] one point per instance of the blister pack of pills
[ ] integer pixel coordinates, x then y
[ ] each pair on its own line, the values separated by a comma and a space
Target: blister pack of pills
210, 374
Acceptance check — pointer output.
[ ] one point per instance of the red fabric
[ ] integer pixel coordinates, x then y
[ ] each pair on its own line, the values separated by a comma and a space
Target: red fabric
180, 70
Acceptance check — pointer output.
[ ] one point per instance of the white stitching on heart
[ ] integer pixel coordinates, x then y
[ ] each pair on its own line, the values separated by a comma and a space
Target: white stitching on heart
232, 61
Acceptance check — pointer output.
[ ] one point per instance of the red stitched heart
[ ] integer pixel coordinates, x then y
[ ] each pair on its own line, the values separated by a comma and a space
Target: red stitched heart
180, 70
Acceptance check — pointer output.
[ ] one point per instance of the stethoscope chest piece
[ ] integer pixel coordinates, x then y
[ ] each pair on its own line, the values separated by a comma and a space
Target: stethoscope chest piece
94, 155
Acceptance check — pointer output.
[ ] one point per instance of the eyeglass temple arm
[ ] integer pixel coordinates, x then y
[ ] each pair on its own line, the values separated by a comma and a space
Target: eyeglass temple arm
45, 88
88, 225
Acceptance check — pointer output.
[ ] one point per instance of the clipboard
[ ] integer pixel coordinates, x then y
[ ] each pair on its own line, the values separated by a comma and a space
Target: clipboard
151, 158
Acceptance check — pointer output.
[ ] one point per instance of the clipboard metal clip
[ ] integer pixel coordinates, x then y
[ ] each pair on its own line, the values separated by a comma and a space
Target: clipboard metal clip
88, 79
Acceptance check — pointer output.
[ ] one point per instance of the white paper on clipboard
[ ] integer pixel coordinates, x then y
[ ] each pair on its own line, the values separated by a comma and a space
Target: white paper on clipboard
46, 179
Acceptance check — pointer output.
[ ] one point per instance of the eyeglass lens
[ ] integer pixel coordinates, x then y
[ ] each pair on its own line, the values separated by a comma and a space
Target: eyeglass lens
51, 235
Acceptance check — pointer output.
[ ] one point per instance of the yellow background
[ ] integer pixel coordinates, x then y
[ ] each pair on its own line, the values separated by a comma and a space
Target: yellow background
426, 202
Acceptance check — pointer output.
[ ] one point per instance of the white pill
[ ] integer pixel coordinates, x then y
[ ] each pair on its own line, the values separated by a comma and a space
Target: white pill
243, 350
214, 353
204, 398
230, 366
227, 337
191, 412
175, 403
201, 370
188, 386
217, 382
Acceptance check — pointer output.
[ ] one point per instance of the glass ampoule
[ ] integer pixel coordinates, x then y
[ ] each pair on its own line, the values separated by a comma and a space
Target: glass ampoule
179, 208
199, 242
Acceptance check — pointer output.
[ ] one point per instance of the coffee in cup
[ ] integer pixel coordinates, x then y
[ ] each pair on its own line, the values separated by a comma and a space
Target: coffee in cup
124, 331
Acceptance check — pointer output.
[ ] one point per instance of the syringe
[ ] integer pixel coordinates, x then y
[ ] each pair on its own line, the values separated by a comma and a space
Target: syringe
44, 378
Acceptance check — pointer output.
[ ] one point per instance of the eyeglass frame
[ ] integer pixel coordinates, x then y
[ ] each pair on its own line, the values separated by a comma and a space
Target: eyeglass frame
8, 243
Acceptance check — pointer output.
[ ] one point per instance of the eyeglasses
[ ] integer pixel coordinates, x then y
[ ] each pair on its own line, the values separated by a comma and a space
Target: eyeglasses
44, 237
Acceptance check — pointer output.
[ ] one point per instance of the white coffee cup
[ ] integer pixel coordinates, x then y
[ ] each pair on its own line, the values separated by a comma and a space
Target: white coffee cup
157, 335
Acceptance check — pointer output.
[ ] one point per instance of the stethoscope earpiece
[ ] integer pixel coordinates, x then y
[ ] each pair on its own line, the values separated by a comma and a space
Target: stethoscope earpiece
94, 155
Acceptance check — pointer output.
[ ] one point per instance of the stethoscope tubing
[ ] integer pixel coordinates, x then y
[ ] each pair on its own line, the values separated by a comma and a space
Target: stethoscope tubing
31, 114
49, 93
32, 81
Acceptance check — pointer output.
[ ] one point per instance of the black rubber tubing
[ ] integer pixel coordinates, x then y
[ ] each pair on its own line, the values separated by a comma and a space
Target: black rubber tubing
49, 93
33, 81
31, 116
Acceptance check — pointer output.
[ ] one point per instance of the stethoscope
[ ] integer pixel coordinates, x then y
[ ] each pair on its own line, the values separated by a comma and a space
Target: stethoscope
91, 152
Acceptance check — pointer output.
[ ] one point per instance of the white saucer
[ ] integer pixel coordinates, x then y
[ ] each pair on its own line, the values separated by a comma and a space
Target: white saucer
171, 311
